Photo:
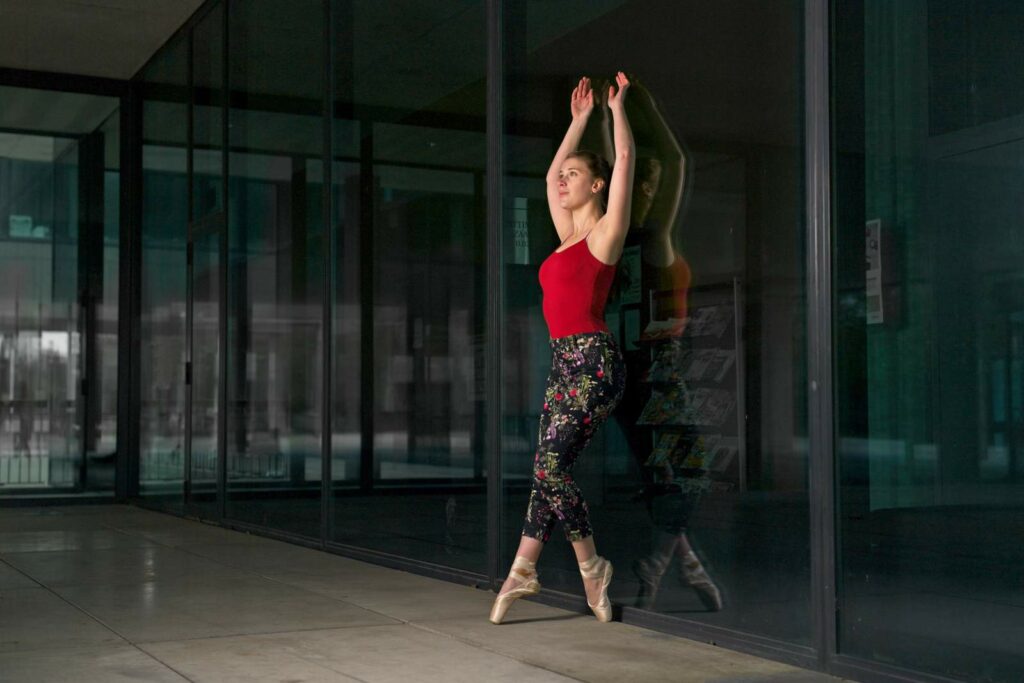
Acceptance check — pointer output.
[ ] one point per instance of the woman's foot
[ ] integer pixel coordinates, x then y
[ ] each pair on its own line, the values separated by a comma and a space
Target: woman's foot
597, 575
521, 582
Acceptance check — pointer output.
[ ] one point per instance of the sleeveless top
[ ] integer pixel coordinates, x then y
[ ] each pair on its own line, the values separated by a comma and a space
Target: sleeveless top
575, 285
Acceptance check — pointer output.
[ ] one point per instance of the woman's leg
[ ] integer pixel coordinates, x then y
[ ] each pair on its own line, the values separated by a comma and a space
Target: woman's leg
529, 548
578, 399
586, 551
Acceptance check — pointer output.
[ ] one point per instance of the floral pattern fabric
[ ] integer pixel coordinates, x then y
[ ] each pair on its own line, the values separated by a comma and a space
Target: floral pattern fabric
586, 382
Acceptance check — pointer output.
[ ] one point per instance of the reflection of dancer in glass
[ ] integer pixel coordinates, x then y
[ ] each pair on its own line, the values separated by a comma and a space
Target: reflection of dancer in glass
587, 372
671, 492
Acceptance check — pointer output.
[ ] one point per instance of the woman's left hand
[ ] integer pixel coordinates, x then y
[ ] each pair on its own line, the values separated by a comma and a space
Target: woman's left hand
617, 98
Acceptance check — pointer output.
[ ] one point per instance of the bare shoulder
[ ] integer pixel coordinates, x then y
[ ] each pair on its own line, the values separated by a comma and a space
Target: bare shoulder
606, 244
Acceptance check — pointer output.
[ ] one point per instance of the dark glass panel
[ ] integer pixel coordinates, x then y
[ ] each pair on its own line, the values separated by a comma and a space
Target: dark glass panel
707, 450
409, 281
164, 237
41, 337
98, 257
929, 332
207, 407
53, 153
275, 265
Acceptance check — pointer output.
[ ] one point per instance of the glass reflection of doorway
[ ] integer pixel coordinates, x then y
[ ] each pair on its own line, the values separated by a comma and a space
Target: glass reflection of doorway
203, 373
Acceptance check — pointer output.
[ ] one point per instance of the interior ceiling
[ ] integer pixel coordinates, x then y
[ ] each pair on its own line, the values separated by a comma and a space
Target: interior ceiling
106, 38
53, 113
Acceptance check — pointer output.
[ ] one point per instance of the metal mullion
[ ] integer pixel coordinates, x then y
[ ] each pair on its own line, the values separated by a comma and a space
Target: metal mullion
222, 340
492, 339
90, 259
327, 251
63, 82
126, 482
819, 331
189, 266
367, 198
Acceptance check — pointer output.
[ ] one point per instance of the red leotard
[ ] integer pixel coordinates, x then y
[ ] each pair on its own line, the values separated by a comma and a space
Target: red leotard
575, 285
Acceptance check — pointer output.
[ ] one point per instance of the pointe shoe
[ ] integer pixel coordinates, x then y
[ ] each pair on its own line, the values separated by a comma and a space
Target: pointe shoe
523, 571
693, 574
599, 568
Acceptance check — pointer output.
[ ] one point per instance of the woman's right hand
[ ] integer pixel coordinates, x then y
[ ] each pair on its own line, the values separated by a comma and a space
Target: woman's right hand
582, 102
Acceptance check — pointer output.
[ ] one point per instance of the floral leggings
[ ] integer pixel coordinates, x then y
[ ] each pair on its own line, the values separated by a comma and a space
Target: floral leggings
586, 382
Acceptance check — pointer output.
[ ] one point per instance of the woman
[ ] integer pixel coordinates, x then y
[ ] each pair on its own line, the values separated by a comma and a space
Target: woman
590, 207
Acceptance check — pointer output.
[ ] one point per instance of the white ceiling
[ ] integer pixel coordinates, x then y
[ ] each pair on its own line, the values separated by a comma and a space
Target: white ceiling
108, 38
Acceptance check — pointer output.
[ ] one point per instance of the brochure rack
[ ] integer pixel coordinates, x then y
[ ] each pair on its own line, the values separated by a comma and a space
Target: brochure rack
695, 409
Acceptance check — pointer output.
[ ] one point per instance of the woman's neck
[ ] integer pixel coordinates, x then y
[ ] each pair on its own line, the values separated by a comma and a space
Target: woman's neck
585, 218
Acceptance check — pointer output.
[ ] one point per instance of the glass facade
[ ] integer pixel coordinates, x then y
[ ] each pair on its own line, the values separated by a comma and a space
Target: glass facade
59, 203
164, 275
340, 225
409, 154
928, 308
707, 450
275, 265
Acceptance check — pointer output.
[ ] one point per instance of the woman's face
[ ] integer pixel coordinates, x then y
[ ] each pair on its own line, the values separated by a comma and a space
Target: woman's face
576, 184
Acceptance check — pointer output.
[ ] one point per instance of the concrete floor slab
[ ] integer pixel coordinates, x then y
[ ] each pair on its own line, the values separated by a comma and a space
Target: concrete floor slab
128, 594
381, 654
44, 519
117, 566
10, 577
582, 648
36, 619
67, 539
198, 607
398, 594
104, 664
286, 559
196, 533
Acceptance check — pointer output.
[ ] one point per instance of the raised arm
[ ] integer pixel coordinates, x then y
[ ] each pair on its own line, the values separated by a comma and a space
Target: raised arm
581, 105
615, 223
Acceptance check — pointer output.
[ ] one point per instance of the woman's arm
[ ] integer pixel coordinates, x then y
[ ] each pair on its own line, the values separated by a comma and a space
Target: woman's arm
615, 223
581, 105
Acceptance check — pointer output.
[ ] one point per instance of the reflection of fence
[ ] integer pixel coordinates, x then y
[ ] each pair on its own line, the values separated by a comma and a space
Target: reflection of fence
161, 465
258, 466
37, 470
169, 466
38, 443
24, 470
